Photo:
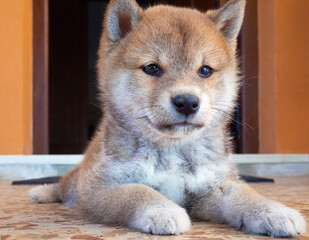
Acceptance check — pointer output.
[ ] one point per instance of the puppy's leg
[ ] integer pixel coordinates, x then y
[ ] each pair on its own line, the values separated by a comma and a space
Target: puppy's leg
135, 205
240, 206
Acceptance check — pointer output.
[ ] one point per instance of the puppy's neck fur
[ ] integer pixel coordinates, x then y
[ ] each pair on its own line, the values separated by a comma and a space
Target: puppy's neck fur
121, 141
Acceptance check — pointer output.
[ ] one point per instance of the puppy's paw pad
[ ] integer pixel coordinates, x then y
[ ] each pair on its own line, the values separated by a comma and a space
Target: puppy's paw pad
276, 220
163, 221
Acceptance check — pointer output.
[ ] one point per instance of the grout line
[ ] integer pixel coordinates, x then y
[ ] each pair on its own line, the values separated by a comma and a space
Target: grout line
270, 158
75, 159
41, 159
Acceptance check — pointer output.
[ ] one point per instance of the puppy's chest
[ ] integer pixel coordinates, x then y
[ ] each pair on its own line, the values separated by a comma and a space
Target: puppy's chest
184, 175
172, 173
176, 184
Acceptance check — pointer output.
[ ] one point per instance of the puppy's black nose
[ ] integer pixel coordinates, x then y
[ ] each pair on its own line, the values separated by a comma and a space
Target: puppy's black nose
186, 104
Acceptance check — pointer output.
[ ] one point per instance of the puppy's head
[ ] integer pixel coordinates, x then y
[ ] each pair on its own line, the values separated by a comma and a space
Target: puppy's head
169, 72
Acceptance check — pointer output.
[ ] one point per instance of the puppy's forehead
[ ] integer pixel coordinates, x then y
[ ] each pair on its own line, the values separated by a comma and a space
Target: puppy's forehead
177, 34
177, 25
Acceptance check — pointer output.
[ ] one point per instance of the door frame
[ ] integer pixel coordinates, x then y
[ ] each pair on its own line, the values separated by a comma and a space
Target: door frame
40, 130
248, 45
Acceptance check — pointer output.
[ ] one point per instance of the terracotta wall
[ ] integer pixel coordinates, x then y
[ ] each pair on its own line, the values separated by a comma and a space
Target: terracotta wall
15, 76
284, 76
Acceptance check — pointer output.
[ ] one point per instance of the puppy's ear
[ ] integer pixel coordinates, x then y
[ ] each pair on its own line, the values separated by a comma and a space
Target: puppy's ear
121, 17
228, 19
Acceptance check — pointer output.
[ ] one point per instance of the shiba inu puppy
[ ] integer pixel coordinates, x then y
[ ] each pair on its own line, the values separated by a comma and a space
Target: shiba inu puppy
169, 81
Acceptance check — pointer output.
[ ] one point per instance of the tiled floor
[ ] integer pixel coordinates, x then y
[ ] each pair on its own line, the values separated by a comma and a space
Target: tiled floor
21, 219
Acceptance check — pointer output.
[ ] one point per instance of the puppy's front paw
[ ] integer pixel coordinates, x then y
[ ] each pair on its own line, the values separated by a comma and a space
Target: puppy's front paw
163, 220
275, 220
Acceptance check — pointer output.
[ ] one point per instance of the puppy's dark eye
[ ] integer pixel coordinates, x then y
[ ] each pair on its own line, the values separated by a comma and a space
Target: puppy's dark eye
205, 71
153, 70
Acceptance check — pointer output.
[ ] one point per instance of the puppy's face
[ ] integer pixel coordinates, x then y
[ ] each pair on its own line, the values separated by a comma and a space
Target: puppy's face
173, 75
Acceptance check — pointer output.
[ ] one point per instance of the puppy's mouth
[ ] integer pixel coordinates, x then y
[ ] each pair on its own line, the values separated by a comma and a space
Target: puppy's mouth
185, 124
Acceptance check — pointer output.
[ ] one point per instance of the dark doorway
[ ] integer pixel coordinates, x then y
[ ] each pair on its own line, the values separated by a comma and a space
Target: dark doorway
68, 76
